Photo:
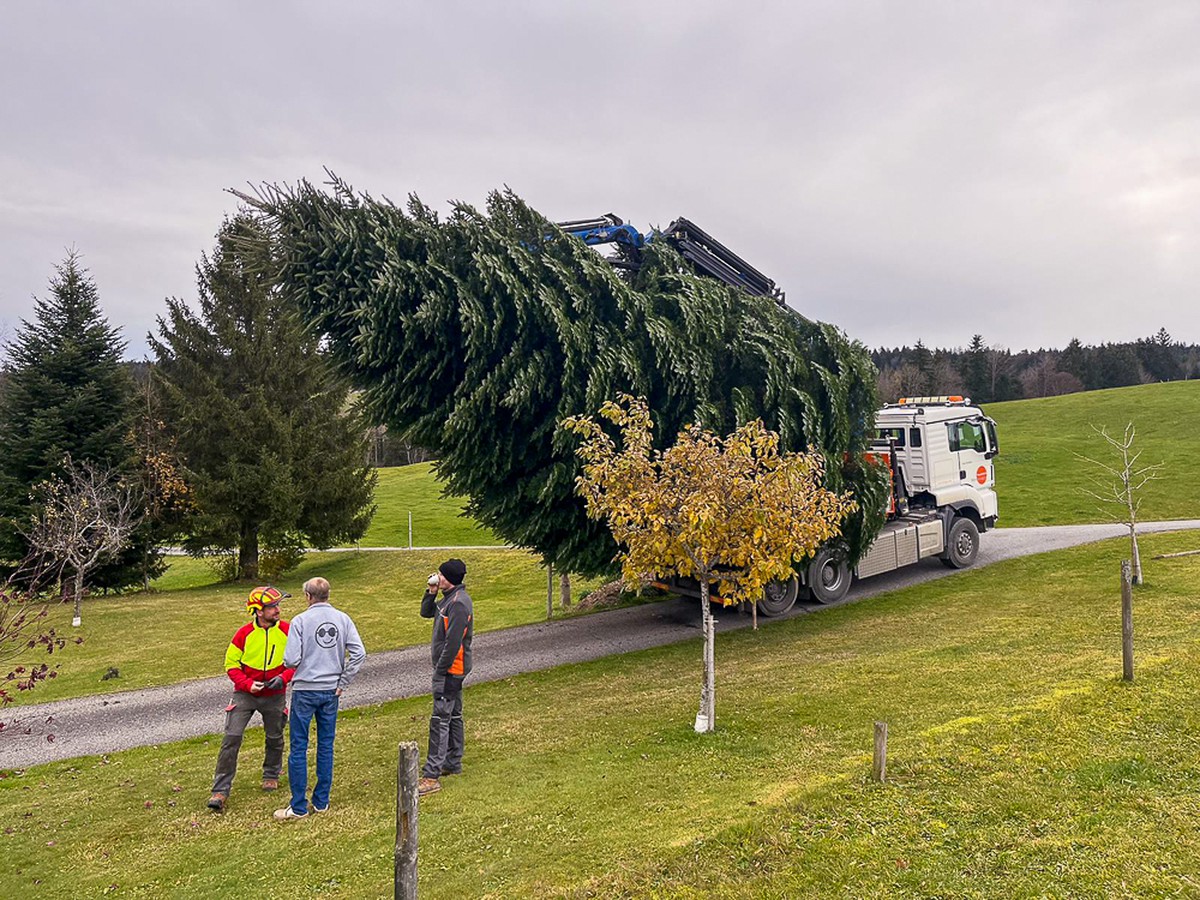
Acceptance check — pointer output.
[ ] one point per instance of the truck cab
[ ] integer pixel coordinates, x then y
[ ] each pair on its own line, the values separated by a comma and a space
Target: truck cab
941, 450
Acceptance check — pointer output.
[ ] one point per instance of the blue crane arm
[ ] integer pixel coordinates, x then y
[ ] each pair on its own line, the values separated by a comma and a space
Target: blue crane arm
606, 229
707, 255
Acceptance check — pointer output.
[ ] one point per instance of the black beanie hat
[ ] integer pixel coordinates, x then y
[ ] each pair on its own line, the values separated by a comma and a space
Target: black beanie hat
455, 570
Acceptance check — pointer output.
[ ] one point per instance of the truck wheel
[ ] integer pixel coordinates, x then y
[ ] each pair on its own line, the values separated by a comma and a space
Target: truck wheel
962, 545
828, 577
779, 596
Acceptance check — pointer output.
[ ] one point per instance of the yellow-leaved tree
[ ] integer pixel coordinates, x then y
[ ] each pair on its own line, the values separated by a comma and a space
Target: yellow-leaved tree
731, 512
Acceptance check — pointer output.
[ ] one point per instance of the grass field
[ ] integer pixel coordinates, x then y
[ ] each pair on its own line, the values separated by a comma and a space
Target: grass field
1038, 476
192, 618
1020, 767
437, 521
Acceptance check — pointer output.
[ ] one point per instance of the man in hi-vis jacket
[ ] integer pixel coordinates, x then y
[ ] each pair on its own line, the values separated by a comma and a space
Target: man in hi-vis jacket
254, 663
453, 627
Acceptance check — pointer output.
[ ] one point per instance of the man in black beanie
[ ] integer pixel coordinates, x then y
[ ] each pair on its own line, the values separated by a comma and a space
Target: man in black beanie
453, 626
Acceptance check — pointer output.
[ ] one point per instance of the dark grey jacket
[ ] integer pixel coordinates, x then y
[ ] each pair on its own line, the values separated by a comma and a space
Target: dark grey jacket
453, 627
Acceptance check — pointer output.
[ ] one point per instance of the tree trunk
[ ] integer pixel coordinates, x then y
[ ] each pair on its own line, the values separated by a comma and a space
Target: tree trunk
1136, 556
564, 589
78, 620
706, 717
247, 567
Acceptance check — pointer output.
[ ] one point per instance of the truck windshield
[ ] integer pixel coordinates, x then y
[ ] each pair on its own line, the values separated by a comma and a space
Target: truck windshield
966, 436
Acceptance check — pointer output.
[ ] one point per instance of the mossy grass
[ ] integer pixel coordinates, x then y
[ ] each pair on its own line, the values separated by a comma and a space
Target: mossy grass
1038, 476
181, 632
1020, 766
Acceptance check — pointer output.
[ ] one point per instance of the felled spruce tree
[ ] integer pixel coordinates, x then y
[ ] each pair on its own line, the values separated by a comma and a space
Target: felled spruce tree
478, 334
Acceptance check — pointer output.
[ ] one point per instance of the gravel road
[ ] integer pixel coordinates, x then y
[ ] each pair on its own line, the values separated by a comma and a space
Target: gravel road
111, 722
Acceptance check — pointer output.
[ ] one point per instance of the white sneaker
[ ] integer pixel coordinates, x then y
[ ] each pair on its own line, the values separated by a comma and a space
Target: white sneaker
283, 815
317, 809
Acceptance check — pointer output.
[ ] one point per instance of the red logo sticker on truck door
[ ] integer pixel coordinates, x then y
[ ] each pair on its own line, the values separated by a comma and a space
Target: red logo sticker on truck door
981, 474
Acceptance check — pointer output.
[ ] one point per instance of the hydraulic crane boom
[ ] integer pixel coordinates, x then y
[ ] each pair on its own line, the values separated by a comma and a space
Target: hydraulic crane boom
707, 255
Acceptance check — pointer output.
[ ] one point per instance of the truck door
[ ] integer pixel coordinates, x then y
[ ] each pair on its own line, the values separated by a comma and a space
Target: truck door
969, 441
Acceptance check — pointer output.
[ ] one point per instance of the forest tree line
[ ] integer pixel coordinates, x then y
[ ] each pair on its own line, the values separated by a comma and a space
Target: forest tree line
989, 373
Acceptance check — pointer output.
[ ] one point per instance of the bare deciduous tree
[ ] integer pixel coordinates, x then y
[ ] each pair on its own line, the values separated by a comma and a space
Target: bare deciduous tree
1120, 485
86, 516
25, 639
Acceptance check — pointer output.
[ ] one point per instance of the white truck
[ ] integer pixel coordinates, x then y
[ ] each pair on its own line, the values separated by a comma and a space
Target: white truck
940, 451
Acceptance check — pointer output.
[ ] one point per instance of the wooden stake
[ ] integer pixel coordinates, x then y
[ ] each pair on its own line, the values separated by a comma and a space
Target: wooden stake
879, 769
549, 592
1127, 620
1177, 555
406, 822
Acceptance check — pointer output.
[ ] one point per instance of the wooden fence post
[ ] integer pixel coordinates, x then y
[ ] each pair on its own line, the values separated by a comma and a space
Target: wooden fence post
406, 822
1127, 620
549, 592
879, 769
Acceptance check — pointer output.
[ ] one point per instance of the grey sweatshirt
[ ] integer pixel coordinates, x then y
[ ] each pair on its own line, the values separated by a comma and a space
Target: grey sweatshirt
324, 648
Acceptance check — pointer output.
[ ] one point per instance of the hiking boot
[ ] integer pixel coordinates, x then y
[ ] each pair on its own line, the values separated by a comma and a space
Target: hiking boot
287, 813
446, 772
428, 786
217, 802
270, 784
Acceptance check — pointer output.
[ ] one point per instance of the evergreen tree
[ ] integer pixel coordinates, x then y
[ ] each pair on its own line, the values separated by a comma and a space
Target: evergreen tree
975, 371
66, 392
922, 358
1117, 366
1159, 357
478, 335
273, 450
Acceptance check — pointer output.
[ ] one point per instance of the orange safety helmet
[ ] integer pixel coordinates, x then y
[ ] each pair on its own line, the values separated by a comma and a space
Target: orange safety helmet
264, 596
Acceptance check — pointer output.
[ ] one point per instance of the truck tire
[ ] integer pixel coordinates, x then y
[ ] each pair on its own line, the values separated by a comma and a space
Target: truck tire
828, 577
778, 597
962, 544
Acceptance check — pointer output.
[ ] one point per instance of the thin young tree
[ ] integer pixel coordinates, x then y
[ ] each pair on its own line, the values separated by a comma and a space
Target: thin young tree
1119, 484
731, 511
86, 517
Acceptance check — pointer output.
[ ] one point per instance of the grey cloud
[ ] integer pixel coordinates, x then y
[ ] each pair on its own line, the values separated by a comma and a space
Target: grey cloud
906, 171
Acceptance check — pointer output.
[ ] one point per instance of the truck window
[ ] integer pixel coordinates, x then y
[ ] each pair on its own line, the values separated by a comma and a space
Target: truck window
892, 434
966, 436
914, 437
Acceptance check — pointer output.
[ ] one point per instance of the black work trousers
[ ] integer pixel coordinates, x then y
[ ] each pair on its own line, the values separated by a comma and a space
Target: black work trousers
238, 713
445, 728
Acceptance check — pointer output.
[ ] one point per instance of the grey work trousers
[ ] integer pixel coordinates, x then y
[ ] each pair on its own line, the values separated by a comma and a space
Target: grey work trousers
238, 713
445, 728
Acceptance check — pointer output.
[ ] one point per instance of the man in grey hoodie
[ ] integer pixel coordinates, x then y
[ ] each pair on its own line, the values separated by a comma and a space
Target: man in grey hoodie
325, 650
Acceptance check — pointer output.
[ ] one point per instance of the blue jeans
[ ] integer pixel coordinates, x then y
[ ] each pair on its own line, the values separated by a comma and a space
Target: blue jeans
306, 706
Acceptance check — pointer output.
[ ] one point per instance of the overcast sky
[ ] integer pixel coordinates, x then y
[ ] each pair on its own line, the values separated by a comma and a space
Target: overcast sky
904, 170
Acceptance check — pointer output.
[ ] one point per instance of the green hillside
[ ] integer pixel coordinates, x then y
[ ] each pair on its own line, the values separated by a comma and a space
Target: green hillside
437, 521
1020, 766
1038, 475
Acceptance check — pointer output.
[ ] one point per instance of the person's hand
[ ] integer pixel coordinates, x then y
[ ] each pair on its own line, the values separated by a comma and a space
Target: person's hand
433, 582
274, 684
338, 692
256, 687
